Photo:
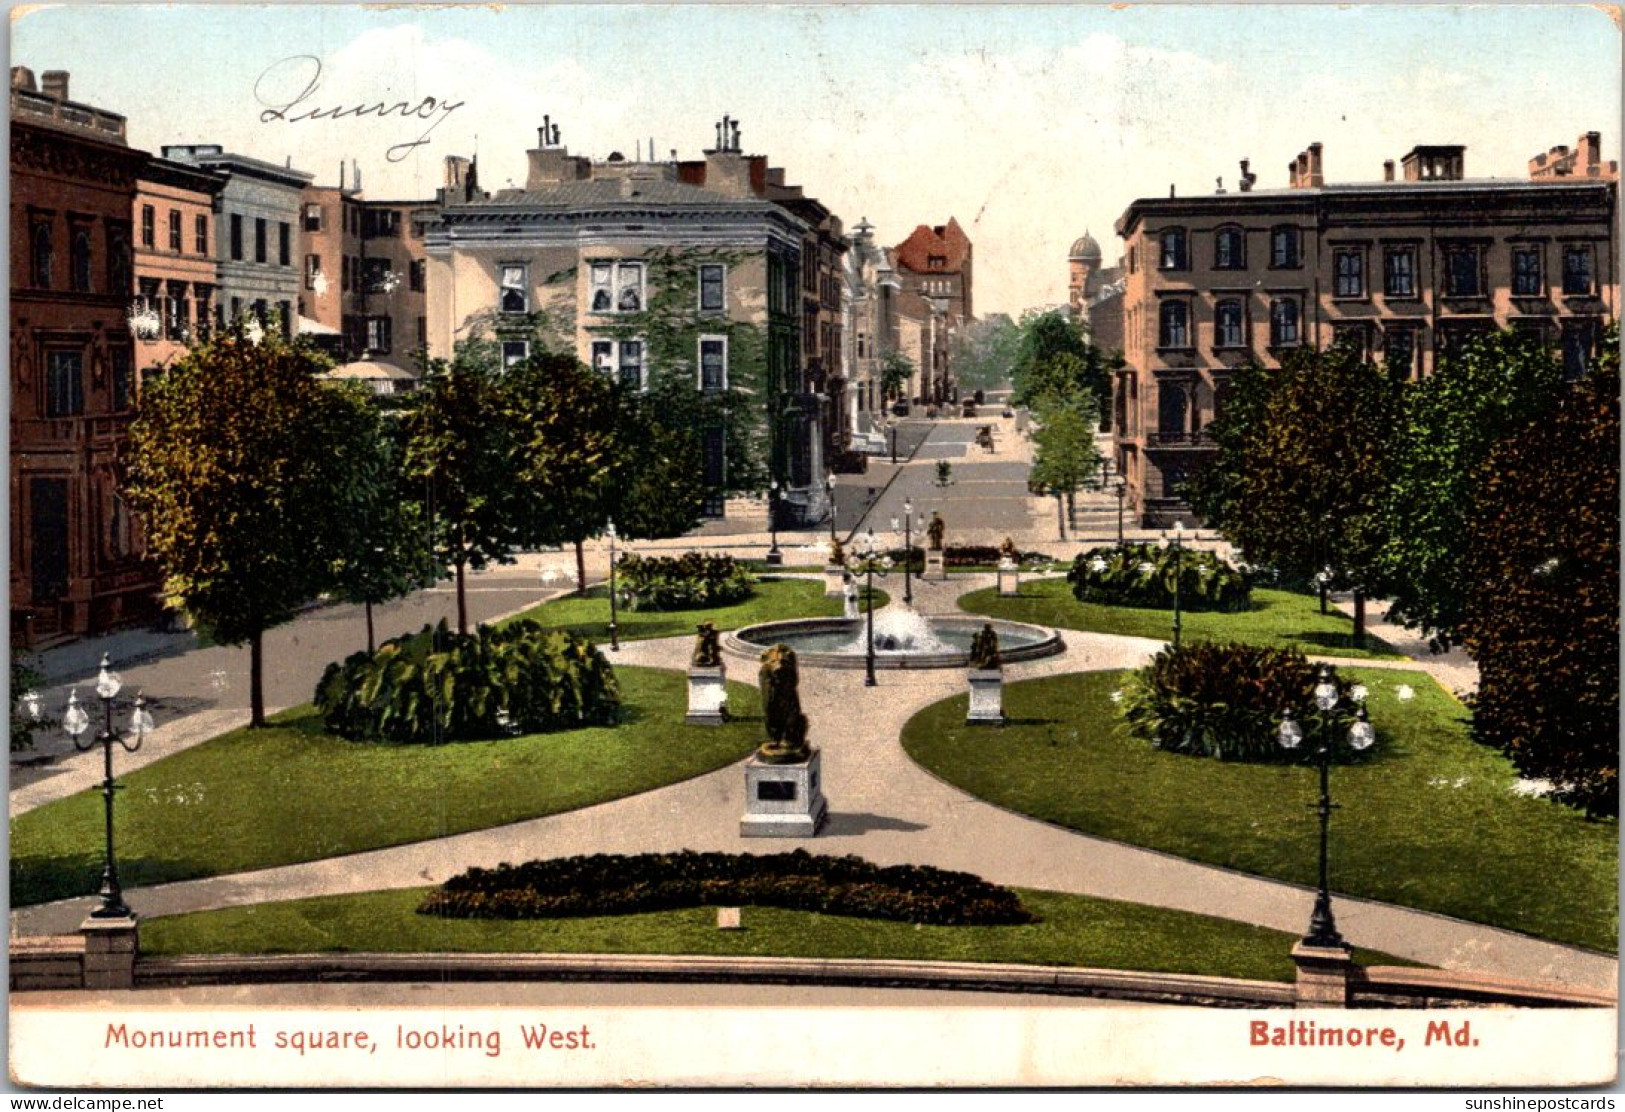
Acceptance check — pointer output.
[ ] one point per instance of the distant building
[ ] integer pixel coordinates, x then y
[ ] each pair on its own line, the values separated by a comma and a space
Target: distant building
1405, 269
869, 296
176, 275
257, 242
77, 561
1095, 293
935, 269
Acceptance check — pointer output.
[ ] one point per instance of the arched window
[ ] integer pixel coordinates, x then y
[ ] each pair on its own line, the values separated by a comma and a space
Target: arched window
1284, 322
1173, 325
1229, 249
42, 261
79, 260
1172, 404
1228, 329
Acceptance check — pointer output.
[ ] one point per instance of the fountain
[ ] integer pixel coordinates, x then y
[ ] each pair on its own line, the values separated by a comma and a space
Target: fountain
904, 638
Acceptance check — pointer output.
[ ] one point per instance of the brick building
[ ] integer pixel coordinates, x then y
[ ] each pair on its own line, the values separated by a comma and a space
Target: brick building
934, 270
76, 554
1406, 268
1095, 293
176, 276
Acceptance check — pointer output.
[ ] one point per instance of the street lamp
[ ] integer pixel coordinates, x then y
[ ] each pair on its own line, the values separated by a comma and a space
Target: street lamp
908, 549
867, 560
1322, 926
891, 427
1121, 489
1178, 546
614, 637
76, 722
829, 489
774, 556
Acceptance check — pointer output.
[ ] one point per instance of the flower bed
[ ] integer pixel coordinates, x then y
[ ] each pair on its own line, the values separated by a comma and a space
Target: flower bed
615, 884
435, 686
1222, 700
1145, 575
692, 581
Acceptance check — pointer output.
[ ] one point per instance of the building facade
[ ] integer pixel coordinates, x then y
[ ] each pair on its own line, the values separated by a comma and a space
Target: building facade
176, 276
1095, 293
257, 240
934, 267
642, 273
869, 332
1406, 269
77, 564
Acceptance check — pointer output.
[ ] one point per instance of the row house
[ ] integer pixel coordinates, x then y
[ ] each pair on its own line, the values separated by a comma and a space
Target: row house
1405, 269
614, 259
934, 268
176, 275
871, 331
76, 553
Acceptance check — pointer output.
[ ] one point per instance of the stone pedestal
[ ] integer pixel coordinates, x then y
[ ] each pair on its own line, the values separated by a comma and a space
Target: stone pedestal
986, 698
935, 569
775, 558
1009, 580
110, 949
1324, 973
834, 582
783, 800
707, 696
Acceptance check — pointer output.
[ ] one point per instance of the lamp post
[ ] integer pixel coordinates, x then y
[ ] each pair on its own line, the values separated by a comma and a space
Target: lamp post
829, 489
614, 635
76, 722
891, 427
1322, 926
908, 549
1121, 487
867, 560
1178, 546
774, 556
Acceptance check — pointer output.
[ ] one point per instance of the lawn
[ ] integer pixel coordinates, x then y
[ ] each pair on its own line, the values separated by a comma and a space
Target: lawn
1432, 821
774, 600
1073, 930
251, 799
1278, 618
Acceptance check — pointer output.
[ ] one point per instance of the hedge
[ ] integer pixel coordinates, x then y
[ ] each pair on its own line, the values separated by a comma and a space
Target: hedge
692, 581
1145, 575
615, 884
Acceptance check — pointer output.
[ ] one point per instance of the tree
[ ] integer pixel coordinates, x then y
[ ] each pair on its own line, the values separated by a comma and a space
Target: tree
460, 443
1064, 456
1500, 385
250, 473
1541, 613
896, 372
984, 351
1053, 359
1300, 475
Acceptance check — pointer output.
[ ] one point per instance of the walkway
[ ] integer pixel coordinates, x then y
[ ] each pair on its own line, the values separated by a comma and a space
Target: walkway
891, 811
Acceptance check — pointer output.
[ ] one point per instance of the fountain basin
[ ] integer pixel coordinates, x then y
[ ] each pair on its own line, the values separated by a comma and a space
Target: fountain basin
839, 642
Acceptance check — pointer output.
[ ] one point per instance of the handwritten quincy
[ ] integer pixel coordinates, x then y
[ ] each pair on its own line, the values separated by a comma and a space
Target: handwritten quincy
281, 78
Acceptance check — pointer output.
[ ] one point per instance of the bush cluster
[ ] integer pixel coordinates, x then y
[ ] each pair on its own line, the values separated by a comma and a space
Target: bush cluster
1145, 574
614, 884
966, 555
436, 685
692, 581
1225, 700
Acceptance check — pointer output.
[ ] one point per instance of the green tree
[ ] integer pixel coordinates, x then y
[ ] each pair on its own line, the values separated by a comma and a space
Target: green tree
1541, 614
1300, 475
460, 444
1055, 360
1064, 456
1499, 385
251, 475
984, 352
896, 371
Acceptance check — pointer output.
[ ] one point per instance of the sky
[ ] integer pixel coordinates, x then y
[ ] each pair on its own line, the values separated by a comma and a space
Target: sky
1029, 124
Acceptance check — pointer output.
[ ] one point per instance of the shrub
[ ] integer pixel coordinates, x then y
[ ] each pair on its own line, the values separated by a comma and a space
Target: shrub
436, 685
1144, 575
1223, 700
691, 581
614, 884
987, 555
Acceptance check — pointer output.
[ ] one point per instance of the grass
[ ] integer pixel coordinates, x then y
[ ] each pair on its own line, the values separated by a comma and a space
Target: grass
1430, 822
1278, 618
1072, 930
251, 799
773, 600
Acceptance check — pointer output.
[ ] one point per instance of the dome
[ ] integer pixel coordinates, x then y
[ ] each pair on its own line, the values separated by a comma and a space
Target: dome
1085, 249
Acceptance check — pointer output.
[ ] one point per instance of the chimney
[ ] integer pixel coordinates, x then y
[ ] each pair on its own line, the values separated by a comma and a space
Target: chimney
456, 171
1218, 185
1292, 174
1388, 169
1589, 156
23, 78
1316, 177
1170, 190
54, 84
1247, 176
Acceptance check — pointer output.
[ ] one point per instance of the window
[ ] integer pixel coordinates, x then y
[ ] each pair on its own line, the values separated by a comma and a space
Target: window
1526, 276
417, 275
632, 364
204, 293
1463, 271
1173, 325
237, 236
1284, 248
423, 332
284, 243
1399, 272
1229, 249
515, 296
175, 230
714, 451
1348, 264
344, 275
177, 311
1577, 271
123, 377
64, 383
79, 260
377, 276
1228, 326
120, 278
713, 296
514, 352
713, 363
617, 287
1579, 346
1174, 256
603, 356
260, 229
1452, 338
380, 222
1284, 322
313, 217
313, 270
200, 234
41, 261
378, 336
1399, 350
149, 226
1173, 403
262, 312
284, 312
